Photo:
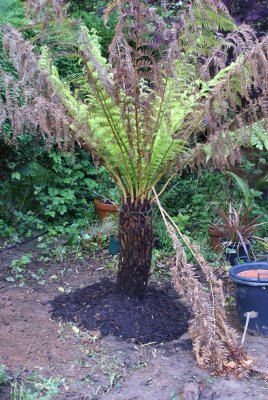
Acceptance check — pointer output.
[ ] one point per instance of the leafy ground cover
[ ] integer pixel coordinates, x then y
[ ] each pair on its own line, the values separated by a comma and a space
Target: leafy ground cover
48, 358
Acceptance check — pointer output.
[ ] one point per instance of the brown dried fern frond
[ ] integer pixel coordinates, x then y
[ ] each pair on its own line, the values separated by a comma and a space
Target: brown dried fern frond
110, 7
44, 10
30, 101
236, 98
237, 42
215, 343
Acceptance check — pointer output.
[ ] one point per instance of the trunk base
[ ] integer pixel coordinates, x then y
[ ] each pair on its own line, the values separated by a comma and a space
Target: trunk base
136, 245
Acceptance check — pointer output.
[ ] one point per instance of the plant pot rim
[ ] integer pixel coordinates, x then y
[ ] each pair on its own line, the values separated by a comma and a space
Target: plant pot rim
104, 206
103, 200
261, 280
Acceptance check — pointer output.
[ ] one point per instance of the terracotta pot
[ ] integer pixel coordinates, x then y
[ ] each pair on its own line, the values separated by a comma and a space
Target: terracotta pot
104, 209
215, 240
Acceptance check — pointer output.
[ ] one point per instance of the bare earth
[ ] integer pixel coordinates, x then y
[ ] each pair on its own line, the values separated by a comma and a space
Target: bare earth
95, 367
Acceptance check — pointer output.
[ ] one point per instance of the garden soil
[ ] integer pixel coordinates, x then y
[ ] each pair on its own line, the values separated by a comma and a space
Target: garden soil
72, 325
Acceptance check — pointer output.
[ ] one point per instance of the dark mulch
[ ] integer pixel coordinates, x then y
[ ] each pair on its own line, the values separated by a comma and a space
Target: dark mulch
158, 317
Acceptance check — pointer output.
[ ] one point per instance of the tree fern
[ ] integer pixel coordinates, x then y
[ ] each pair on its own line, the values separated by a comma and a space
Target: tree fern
157, 106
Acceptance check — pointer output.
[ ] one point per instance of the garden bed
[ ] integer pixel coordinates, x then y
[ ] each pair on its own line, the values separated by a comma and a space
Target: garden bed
95, 361
158, 317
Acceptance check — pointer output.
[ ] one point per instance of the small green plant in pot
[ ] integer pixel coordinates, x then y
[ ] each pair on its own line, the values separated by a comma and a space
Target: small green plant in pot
99, 233
236, 231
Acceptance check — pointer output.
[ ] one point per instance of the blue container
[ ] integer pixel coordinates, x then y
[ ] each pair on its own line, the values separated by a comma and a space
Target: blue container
114, 247
252, 294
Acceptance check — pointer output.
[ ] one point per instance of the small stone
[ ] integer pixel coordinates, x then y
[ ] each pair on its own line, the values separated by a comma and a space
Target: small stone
190, 391
96, 348
95, 334
185, 336
85, 340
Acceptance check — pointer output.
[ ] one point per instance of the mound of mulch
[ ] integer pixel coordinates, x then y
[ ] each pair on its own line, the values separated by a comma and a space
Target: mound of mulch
158, 317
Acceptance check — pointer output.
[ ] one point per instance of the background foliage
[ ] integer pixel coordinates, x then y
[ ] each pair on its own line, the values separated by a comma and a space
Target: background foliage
42, 189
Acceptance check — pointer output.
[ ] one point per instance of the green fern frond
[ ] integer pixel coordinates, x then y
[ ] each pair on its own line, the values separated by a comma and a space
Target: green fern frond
259, 136
202, 22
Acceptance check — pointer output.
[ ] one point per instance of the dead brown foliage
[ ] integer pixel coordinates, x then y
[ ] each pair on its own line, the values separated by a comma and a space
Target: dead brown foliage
30, 100
215, 343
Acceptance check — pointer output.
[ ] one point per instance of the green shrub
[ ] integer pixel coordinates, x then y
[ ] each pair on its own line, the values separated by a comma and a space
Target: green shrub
53, 192
192, 201
12, 12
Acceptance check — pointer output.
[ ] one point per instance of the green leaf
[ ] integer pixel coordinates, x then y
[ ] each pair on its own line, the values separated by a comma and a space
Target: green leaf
208, 152
242, 186
10, 279
16, 175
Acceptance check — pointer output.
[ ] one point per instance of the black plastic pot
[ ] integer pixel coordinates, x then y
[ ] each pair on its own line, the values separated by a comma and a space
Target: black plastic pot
251, 281
234, 251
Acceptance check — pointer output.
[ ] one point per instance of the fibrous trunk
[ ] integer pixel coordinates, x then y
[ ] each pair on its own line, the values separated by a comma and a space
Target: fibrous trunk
136, 244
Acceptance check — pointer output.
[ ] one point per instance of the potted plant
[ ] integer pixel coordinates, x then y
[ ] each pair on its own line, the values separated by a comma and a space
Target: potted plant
235, 232
248, 196
215, 239
107, 199
104, 207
